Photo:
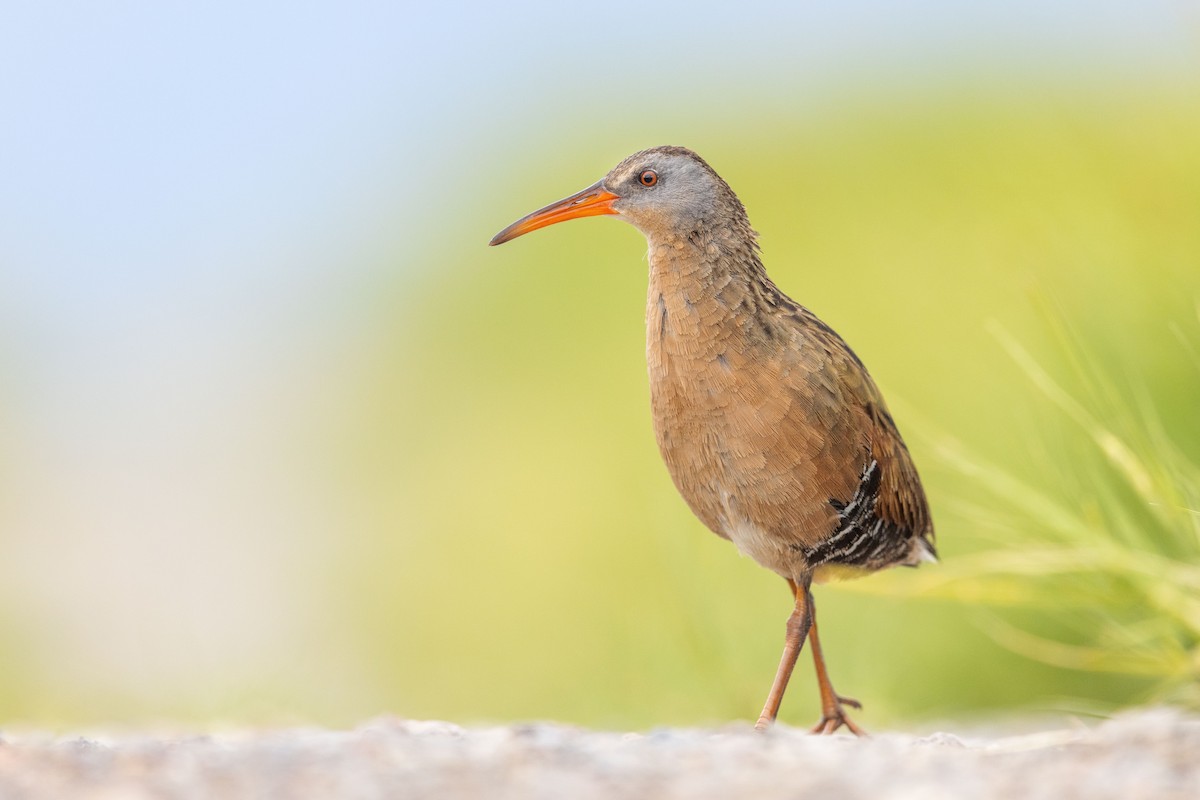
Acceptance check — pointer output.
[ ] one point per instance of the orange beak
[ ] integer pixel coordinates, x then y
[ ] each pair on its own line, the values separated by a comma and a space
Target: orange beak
592, 201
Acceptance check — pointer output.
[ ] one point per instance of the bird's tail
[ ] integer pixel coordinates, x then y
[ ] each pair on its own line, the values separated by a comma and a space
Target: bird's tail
922, 552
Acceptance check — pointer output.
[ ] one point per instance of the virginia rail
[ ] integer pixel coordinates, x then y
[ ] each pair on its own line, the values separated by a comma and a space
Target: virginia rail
768, 422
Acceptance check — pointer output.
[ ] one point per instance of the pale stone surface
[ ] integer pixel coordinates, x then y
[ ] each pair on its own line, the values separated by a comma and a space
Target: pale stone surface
1146, 754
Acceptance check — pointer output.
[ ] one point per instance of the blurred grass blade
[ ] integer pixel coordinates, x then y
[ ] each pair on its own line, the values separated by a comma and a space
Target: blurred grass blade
1116, 568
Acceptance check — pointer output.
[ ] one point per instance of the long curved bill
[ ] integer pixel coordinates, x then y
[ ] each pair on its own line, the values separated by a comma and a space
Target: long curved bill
592, 201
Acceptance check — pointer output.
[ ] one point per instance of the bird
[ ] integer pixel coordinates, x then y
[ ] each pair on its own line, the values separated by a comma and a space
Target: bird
770, 426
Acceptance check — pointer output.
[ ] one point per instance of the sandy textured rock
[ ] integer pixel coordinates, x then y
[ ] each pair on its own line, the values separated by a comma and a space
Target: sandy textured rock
1148, 754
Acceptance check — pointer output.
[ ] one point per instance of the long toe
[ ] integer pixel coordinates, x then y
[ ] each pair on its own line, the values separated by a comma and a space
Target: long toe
849, 701
835, 717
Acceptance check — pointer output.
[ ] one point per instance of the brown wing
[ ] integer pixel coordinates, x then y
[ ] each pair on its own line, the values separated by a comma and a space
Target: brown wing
844, 489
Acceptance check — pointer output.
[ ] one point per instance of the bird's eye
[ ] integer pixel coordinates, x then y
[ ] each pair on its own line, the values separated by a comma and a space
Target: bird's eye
648, 178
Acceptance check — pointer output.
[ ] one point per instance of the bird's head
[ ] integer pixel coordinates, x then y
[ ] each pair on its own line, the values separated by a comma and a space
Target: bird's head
660, 191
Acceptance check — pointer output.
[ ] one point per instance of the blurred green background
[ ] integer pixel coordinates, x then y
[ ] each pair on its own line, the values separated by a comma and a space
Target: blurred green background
283, 440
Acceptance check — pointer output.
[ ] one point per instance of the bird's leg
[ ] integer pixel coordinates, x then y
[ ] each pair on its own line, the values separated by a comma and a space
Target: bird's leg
832, 714
797, 629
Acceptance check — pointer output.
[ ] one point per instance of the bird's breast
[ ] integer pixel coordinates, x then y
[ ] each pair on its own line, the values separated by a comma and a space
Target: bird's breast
719, 411
691, 386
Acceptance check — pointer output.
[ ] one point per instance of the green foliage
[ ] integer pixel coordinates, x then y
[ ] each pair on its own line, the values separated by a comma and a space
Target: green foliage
522, 553
1116, 563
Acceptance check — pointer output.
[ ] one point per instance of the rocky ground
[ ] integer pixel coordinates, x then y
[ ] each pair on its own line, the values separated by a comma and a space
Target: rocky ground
1147, 754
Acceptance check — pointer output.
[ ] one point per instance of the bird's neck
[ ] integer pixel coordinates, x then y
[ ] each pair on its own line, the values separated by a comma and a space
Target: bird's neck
706, 251
705, 279
707, 261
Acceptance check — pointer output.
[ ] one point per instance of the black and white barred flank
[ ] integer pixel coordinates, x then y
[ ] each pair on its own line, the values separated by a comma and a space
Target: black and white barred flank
862, 538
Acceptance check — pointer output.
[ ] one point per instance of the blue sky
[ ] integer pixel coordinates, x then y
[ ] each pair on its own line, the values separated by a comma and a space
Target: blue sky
162, 151
145, 141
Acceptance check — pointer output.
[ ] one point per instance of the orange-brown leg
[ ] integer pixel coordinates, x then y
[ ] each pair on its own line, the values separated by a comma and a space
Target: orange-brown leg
833, 716
798, 625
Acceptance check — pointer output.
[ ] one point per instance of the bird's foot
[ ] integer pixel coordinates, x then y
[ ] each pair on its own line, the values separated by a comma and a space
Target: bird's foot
833, 716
